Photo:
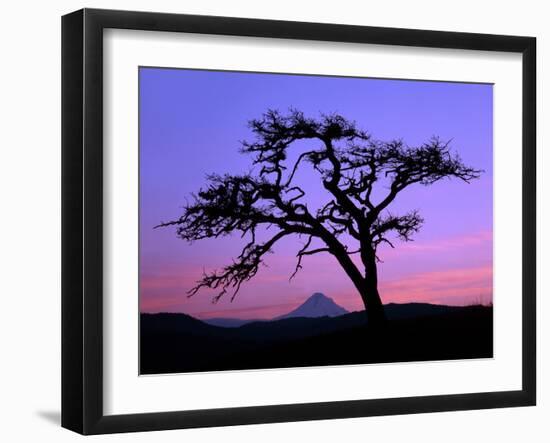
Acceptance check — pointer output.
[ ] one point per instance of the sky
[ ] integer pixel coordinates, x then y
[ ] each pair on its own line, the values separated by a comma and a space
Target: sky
192, 123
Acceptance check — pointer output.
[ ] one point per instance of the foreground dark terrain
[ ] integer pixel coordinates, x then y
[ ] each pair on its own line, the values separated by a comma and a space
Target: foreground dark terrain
173, 343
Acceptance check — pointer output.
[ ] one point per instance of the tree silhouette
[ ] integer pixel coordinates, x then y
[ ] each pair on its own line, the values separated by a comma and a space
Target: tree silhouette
350, 165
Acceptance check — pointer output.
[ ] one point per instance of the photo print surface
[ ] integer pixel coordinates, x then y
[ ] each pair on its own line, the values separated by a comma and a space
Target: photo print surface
298, 220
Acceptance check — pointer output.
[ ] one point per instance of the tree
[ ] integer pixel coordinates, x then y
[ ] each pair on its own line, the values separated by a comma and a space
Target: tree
350, 165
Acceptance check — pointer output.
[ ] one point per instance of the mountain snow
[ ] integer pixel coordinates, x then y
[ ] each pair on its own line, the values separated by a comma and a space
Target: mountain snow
318, 305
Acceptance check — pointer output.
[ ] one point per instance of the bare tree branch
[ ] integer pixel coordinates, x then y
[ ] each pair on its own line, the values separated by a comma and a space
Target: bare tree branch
243, 269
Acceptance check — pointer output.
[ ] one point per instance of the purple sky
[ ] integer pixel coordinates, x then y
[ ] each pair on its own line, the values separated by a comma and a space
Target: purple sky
191, 123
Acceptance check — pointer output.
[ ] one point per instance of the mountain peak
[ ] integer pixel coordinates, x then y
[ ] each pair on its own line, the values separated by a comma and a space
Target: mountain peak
318, 296
317, 305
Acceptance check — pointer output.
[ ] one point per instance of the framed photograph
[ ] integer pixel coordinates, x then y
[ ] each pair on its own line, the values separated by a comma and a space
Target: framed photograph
268, 221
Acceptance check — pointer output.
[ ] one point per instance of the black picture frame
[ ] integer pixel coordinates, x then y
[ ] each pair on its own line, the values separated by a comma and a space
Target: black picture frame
82, 215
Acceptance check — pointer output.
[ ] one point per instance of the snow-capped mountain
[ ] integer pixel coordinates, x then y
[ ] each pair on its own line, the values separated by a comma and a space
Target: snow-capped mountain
318, 305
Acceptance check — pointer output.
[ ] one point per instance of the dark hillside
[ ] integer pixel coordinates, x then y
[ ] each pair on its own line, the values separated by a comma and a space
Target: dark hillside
416, 332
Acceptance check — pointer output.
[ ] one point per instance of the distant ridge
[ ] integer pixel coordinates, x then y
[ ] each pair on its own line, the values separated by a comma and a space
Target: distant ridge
229, 322
318, 305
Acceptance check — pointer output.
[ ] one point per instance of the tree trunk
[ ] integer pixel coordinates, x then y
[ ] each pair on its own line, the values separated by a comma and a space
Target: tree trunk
376, 316
367, 286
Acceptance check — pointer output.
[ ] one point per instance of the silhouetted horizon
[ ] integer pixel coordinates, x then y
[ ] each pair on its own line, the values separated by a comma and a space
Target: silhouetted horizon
278, 317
